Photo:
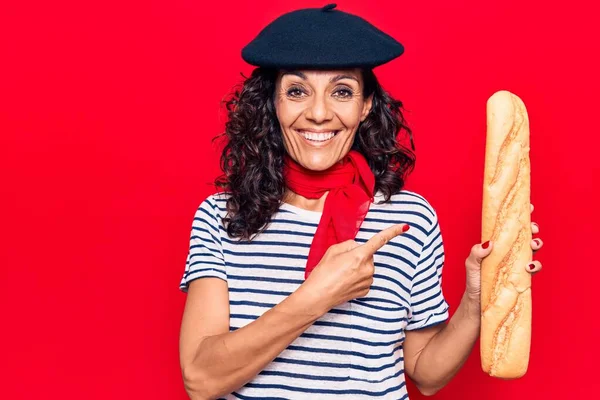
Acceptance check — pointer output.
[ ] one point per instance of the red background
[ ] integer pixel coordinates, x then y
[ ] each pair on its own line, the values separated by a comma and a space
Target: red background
106, 114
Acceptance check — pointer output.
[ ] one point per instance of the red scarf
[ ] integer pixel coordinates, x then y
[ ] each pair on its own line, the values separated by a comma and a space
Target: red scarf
350, 183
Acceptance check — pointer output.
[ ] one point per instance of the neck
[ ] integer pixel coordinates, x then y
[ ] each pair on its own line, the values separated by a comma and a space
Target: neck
299, 201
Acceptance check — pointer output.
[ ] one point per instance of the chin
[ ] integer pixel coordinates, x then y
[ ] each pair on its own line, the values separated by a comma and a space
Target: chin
318, 162
318, 156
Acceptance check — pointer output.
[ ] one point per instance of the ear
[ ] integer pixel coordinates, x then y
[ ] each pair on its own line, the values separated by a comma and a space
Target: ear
366, 107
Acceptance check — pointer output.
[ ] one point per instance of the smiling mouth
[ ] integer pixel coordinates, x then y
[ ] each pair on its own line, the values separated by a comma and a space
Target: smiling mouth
317, 136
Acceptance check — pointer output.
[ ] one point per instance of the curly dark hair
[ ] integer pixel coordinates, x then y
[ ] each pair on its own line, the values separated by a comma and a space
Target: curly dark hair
252, 159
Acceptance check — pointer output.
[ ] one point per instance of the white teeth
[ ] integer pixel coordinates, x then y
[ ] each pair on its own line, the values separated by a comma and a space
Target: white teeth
318, 137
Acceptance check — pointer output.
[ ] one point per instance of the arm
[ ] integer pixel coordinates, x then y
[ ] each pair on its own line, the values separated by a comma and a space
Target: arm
434, 352
433, 356
215, 361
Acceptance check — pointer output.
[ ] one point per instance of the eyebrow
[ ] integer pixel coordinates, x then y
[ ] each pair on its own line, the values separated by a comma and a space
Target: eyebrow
333, 79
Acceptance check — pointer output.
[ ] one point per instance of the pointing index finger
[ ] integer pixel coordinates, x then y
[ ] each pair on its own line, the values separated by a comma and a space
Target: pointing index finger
381, 238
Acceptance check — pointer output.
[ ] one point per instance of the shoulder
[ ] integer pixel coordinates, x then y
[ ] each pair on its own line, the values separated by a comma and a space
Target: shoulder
407, 202
212, 207
218, 200
404, 207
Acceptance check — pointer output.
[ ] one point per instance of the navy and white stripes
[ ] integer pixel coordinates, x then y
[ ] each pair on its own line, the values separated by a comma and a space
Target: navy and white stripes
355, 350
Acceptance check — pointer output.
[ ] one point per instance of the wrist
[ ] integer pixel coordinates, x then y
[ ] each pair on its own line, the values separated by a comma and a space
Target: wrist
472, 306
311, 300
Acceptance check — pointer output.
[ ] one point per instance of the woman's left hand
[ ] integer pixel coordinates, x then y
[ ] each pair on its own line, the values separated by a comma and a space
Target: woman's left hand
479, 252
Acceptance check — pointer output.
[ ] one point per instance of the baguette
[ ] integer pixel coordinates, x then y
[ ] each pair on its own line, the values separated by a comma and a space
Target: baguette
505, 283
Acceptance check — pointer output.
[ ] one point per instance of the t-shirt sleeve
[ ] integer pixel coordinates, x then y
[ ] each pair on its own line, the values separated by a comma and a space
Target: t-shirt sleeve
427, 303
205, 254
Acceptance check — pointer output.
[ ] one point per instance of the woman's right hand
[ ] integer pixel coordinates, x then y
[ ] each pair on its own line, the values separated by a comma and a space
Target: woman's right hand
346, 270
216, 361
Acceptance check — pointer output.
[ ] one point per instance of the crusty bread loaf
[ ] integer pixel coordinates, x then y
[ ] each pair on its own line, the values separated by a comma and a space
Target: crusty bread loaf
506, 221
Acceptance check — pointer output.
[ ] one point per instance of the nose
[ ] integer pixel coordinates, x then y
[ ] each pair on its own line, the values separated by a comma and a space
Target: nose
319, 110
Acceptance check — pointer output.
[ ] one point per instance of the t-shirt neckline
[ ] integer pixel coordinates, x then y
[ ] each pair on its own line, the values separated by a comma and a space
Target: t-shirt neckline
313, 216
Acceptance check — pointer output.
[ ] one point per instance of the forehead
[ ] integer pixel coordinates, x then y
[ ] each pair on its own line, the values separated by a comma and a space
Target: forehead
309, 74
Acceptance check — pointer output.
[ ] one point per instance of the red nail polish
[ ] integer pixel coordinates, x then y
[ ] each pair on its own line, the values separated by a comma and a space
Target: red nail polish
537, 241
531, 266
405, 228
486, 244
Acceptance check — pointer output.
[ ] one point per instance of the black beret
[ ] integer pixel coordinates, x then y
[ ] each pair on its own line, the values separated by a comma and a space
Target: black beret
321, 38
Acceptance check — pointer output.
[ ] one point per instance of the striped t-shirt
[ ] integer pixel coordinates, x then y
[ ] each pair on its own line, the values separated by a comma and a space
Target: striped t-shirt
355, 350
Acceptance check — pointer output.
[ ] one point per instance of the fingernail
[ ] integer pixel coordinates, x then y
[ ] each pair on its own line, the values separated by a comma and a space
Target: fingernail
531, 266
486, 244
537, 241
405, 228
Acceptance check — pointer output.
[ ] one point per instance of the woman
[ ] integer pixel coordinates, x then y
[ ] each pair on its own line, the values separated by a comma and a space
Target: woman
322, 275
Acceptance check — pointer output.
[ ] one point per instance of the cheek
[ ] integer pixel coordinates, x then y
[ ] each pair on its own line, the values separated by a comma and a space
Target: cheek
287, 113
349, 113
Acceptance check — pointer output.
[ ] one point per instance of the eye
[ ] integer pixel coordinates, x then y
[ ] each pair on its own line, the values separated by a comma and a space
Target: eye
294, 91
344, 93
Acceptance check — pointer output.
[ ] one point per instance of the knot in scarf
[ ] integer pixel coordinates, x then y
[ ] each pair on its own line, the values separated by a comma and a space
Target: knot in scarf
350, 184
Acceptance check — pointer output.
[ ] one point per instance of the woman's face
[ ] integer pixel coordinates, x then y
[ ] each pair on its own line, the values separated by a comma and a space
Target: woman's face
319, 113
